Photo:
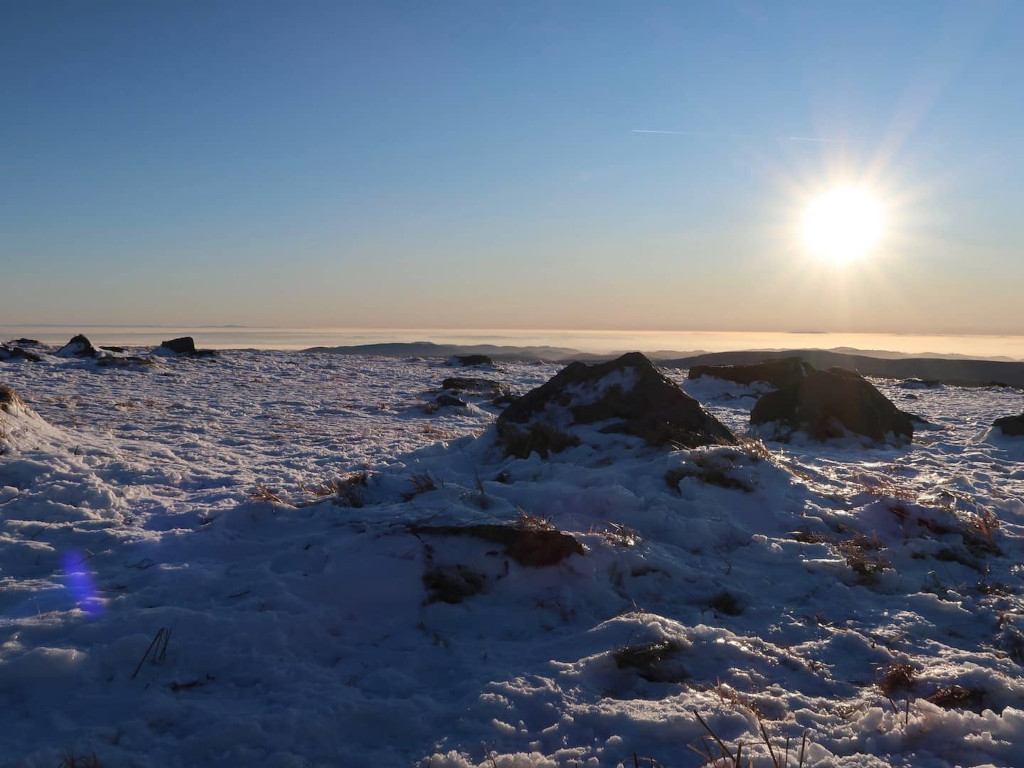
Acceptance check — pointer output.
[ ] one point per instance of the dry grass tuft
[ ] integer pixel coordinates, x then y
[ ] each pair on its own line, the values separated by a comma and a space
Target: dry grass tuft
348, 491
886, 489
957, 697
807, 536
439, 433
994, 588
263, 493
865, 565
897, 677
729, 695
9, 398
528, 521
733, 758
421, 482
720, 466
859, 551
619, 535
480, 494
651, 660
756, 449
983, 526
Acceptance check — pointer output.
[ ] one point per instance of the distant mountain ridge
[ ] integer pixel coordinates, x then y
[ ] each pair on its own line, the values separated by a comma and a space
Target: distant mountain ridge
948, 370
430, 349
962, 371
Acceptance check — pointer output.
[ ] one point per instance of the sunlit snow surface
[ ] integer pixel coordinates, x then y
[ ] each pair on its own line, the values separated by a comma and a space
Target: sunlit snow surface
300, 633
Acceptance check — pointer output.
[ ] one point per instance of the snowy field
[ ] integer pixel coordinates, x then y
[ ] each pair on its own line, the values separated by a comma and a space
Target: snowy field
195, 571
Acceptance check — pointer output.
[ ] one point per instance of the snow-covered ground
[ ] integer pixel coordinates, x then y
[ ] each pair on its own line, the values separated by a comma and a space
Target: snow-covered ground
194, 571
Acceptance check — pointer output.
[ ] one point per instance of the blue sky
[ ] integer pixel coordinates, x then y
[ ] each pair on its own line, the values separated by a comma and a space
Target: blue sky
477, 165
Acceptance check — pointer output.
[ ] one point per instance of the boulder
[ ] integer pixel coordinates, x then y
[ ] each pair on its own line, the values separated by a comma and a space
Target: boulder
130, 362
14, 352
781, 373
916, 418
626, 395
1011, 426
826, 403
185, 345
79, 346
450, 401
471, 360
482, 387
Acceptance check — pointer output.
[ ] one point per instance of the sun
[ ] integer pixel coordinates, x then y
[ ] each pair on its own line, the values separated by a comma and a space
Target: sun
843, 225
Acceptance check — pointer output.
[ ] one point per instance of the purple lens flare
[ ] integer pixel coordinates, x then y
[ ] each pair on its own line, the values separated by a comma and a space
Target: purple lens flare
80, 582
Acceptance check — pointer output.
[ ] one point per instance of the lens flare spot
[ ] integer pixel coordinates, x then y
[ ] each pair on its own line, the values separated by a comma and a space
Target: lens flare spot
80, 583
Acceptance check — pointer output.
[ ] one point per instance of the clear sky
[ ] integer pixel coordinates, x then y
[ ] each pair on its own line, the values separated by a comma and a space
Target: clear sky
482, 164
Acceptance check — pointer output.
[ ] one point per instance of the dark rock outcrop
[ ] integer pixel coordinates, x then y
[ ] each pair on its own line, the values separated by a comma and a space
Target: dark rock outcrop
129, 362
79, 346
1011, 426
471, 360
825, 403
781, 373
450, 401
184, 345
917, 419
483, 387
17, 352
629, 393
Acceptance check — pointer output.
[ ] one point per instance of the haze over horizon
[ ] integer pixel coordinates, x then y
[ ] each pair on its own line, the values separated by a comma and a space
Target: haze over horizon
601, 166
681, 343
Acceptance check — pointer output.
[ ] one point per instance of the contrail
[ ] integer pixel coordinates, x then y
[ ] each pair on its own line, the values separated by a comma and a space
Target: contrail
673, 133
824, 141
810, 139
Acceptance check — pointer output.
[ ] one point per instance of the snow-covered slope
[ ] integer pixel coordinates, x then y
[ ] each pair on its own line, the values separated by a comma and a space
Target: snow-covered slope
270, 559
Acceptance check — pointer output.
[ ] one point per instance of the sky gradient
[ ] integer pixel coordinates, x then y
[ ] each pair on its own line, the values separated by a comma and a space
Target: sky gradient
489, 165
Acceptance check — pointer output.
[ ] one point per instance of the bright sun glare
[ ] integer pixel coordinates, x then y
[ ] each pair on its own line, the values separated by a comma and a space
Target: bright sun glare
843, 225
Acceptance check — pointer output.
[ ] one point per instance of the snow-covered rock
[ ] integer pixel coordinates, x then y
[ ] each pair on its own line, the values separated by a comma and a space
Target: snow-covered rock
16, 351
1011, 426
627, 395
827, 404
79, 346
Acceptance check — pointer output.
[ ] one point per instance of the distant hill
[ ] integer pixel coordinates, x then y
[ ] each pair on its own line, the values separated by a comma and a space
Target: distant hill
963, 371
430, 349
